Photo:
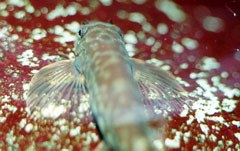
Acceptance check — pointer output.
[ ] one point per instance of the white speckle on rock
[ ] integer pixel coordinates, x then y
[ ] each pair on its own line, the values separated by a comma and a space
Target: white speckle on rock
10, 138
29, 8
55, 137
229, 143
53, 111
156, 46
83, 107
22, 123
208, 107
9, 107
28, 53
208, 63
228, 105
38, 33
5, 99
71, 56
20, 14
94, 137
176, 47
71, 10
237, 135
184, 65
130, 38
147, 27
26, 58
28, 127
155, 62
190, 43
150, 41
237, 123
186, 136
73, 26
18, 3
88, 139
171, 10
137, 17
64, 128
185, 111
58, 30
106, 2
57, 12
173, 143
230, 92
212, 138
14, 37
204, 84
46, 56
91, 125
194, 75
3, 5
131, 49
64, 37
200, 116
75, 131
213, 24
122, 14
2, 119
224, 74
25, 86
162, 28
190, 120
218, 119
204, 128
60, 122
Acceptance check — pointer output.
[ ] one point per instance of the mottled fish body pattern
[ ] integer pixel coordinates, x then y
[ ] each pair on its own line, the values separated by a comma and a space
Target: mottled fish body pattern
119, 88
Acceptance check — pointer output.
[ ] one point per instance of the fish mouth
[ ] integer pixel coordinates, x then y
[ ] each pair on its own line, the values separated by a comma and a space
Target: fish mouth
103, 32
100, 27
103, 35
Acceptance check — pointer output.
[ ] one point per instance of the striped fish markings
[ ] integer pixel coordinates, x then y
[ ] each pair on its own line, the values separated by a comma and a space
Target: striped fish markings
119, 88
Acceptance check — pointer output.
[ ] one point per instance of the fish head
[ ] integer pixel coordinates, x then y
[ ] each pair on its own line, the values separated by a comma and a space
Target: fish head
97, 31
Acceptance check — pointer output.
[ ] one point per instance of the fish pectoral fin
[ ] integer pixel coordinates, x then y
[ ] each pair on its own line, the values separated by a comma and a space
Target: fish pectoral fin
162, 94
56, 90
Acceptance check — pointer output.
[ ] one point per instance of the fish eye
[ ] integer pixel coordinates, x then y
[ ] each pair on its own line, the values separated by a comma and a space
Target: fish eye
82, 31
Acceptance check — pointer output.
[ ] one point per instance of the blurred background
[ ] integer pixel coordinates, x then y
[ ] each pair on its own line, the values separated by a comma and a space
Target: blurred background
197, 40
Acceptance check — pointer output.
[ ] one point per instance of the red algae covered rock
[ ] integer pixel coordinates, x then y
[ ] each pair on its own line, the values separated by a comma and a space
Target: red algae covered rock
197, 41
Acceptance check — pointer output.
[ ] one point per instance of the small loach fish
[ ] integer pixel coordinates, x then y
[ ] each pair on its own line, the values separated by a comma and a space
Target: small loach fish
119, 89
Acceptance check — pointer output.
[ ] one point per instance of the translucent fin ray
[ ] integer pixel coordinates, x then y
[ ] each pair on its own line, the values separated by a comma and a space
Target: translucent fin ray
57, 90
162, 94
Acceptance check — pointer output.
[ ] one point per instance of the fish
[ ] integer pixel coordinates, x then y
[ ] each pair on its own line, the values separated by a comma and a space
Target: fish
117, 87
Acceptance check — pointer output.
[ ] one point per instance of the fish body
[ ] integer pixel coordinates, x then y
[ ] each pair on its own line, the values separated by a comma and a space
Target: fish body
115, 97
119, 89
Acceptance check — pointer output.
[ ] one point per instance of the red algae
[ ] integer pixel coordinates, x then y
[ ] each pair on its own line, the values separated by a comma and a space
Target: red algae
200, 46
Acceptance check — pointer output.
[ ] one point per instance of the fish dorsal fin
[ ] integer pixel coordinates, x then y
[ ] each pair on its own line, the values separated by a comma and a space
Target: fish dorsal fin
162, 94
57, 90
